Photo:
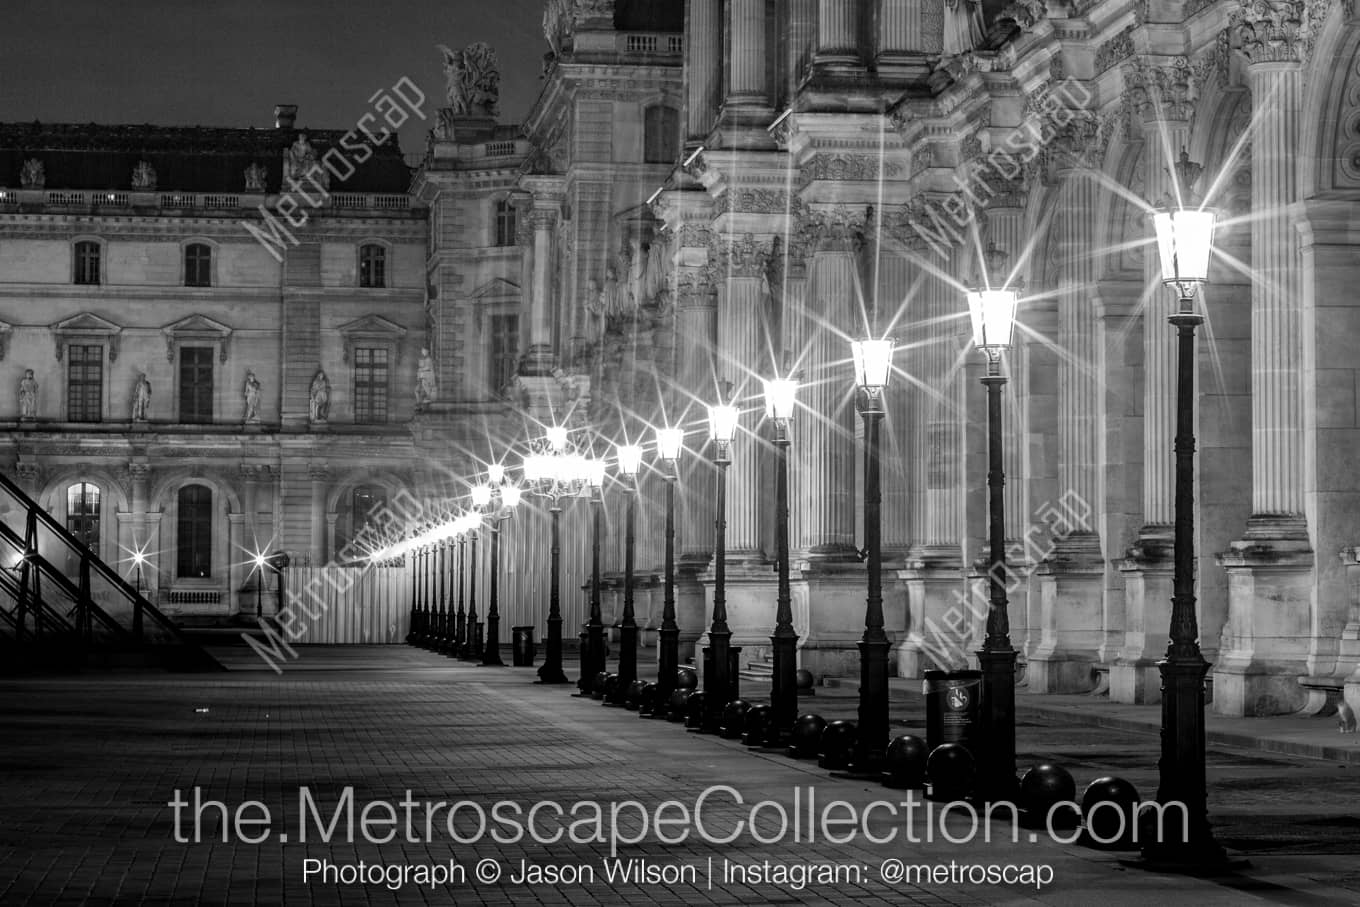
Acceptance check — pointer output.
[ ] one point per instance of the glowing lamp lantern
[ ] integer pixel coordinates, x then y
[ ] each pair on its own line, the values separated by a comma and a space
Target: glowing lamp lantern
510, 496
873, 363
495, 473
481, 495
595, 470
630, 459
1185, 240
780, 396
557, 437
993, 316
722, 423
670, 442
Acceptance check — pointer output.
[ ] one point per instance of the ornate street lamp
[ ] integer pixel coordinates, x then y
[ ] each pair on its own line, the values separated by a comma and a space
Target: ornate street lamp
992, 311
1185, 240
873, 364
471, 522
718, 675
670, 443
462, 645
630, 460
509, 495
555, 470
592, 653
781, 394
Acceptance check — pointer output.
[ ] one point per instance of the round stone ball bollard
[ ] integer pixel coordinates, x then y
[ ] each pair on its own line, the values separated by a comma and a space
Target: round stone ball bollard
951, 770
905, 761
805, 741
686, 678
1047, 794
696, 709
647, 705
597, 688
677, 709
733, 719
1109, 813
757, 724
838, 744
804, 682
633, 698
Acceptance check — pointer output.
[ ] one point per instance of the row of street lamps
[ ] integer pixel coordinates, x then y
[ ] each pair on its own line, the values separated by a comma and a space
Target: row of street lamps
556, 470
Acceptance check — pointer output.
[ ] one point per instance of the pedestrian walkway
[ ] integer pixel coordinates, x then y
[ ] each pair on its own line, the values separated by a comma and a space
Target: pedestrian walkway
92, 764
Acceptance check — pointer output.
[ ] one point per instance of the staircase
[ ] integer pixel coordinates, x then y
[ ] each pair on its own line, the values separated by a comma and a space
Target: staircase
64, 609
759, 669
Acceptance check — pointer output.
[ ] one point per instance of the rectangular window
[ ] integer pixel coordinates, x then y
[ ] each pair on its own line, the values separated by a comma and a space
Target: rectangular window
372, 266
504, 350
196, 384
84, 383
193, 532
370, 385
87, 262
197, 265
505, 223
82, 514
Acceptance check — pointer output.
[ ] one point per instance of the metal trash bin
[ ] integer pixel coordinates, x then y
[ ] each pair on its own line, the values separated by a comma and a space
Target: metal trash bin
952, 710
522, 647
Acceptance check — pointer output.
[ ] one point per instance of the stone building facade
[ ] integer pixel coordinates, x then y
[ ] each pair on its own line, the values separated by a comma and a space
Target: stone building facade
163, 360
846, 167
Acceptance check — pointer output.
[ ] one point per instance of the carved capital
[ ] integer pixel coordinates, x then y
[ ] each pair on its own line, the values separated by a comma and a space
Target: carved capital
1278, 31
1160, 88
745, 256
840, 228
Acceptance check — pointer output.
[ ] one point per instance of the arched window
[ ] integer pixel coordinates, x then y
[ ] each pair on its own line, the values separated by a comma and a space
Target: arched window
198, 265
661, 135
372, 265
193, 535
505, 223
87, 256
366, 503
82, 514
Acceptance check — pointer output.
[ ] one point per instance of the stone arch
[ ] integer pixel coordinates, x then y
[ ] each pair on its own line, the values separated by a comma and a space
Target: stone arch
113, 500
1330, 119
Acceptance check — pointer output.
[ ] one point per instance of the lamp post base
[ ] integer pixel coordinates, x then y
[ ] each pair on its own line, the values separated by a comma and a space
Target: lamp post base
996, 781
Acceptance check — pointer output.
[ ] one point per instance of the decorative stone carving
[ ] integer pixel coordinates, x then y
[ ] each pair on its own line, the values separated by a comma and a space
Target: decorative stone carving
1160, 88
472, 79
86, 328
744, 256
1278, 31
28, 396
32, 175
255, 177
752, 201
144, 177
848, 167
301, 163
962, 26
197, 329
561, 18
1024, 13
1115, 50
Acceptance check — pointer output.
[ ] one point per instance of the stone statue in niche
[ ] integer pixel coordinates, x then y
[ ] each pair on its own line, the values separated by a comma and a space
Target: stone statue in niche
320, 394
426, 389
28, 396
255, 177
144, 177
141, 398
962, 26
252, 395
32, 175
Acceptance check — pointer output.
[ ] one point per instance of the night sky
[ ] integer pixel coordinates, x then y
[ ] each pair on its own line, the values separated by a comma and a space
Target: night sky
216, 63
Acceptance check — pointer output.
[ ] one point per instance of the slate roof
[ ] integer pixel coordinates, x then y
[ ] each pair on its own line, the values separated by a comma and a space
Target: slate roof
185, 158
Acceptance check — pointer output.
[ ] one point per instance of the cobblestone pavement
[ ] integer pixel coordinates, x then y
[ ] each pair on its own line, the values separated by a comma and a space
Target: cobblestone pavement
91, 764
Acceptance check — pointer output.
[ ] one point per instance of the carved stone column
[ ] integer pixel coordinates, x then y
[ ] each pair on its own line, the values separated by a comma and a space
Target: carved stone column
746, 64
703, 69
1271, 569
837, 34
541, 357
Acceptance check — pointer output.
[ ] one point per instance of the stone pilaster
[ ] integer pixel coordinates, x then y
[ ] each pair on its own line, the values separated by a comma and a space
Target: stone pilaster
319, 475
1271, 568
747, 85
541, 357
837, 33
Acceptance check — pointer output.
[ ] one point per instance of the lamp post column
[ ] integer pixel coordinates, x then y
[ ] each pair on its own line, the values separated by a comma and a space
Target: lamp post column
592, 657
551, 670
491, 656
718, 679
873, 646
784, 686
628, 628
668, 653
997, 656
474, 626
